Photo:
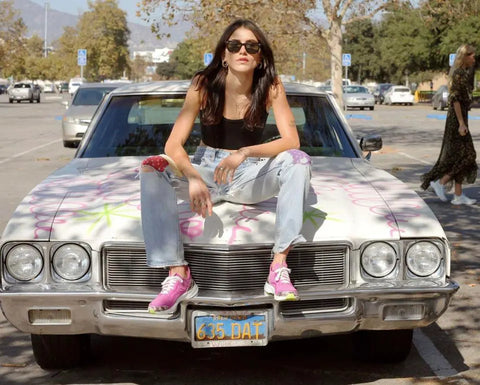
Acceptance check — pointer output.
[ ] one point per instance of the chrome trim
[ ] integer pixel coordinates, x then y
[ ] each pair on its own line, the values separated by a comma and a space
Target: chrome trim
227, 269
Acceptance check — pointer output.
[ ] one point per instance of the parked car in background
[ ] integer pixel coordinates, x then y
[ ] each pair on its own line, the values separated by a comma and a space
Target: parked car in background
79, 113
376, 261
3, 89
440, 98
325, 88
63, 87
399, 95
24, 91
358, 97
48, 87
73, 84
379, 92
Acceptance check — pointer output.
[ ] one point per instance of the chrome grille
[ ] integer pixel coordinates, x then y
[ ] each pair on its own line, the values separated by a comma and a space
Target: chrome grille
289, 309
225, 268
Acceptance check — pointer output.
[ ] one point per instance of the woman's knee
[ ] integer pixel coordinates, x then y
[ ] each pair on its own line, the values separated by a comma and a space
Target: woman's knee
296, 157
153, 163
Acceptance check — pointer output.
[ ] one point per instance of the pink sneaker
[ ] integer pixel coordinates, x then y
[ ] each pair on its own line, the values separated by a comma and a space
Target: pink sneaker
278, 284
174, 290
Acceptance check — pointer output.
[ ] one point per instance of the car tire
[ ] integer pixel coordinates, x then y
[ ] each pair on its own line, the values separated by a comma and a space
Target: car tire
383, 345
31, 100
372, 108
10, 100
60, 351
18, 101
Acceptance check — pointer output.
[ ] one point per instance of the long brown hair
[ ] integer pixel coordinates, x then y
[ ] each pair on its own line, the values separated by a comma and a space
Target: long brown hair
462, 52
211, 80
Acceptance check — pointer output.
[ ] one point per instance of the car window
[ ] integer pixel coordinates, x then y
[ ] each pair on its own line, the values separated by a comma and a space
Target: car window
140, 125
89, 96
22, 85
401, 89
355, 90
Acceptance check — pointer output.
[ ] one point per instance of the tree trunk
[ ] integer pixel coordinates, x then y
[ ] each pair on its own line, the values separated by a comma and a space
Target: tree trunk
334, 41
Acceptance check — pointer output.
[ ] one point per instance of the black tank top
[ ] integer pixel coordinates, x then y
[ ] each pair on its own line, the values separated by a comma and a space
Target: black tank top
231, 134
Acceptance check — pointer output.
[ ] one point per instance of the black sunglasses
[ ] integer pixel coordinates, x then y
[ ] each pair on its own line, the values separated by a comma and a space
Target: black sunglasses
234, 46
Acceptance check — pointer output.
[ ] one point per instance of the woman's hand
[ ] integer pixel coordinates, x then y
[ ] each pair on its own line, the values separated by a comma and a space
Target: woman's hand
226, 168
462, 129
200, 200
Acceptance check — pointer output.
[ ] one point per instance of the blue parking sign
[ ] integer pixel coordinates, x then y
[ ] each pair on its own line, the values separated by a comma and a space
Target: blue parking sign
451, 59
346, 60
82, 57
207, 58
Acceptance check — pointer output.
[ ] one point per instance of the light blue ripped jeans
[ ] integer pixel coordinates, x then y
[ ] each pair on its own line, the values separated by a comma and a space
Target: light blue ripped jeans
256, 179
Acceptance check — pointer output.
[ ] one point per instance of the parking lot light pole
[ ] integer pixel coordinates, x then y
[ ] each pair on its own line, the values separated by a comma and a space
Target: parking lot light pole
45, 49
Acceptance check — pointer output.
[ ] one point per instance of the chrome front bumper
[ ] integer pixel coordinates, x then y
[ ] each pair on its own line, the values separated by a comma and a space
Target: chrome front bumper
86, 312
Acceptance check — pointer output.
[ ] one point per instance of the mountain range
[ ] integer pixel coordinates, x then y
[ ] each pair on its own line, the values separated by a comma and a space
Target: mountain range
141, 37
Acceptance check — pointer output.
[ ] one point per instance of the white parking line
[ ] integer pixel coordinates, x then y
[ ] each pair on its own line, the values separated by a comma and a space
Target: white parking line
434, 359
416, 159
31, 150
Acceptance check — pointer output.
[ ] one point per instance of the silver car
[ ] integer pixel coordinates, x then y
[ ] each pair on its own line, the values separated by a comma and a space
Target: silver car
376, 262
358, 97
440, 98
79, 113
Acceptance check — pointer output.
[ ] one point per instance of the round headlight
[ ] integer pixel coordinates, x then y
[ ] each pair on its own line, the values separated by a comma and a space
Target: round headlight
379, 259
24, 262
423, 258
71, 262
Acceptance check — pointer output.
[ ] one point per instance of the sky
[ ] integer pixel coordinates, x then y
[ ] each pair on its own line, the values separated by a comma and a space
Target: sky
77, 7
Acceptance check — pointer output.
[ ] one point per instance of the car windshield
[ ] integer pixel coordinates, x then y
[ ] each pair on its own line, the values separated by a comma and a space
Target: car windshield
139, 125
22, 85
355, 90
402, 89
90, 96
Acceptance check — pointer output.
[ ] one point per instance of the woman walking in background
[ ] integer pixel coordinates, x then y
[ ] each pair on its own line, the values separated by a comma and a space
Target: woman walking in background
457, 160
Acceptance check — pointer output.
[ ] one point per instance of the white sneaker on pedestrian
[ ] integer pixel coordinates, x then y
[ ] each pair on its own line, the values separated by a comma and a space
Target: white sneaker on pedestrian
439, 190
462, 200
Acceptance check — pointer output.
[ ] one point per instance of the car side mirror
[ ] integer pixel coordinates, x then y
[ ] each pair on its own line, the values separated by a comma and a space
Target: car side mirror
371, 143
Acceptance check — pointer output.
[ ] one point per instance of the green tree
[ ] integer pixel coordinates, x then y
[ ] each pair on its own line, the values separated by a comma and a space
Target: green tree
103, 31
187, 59
64, 57
12, 41
166, 70
403, 45
359, 41
298, 19
290, 38
137, 69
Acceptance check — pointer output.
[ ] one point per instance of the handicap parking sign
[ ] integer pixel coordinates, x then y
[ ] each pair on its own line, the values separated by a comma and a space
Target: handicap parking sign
451, 59
346, 60
82, 57
207, 58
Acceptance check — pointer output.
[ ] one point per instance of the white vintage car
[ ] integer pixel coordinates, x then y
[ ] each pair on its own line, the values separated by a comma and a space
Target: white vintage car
376, 261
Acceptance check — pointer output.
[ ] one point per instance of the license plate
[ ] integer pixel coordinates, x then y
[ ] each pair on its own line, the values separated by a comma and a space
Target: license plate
229, 328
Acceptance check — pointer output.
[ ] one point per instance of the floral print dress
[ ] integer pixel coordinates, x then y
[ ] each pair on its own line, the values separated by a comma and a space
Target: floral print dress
457, 157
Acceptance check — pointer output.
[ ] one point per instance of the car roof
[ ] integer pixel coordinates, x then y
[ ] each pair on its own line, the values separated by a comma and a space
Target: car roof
101, 85
182, 86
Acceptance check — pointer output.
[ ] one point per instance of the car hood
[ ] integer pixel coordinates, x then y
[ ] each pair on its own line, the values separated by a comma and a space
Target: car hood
81, 112
98, 200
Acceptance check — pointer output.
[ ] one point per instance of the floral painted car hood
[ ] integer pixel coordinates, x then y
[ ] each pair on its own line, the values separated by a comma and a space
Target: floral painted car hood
97, 200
